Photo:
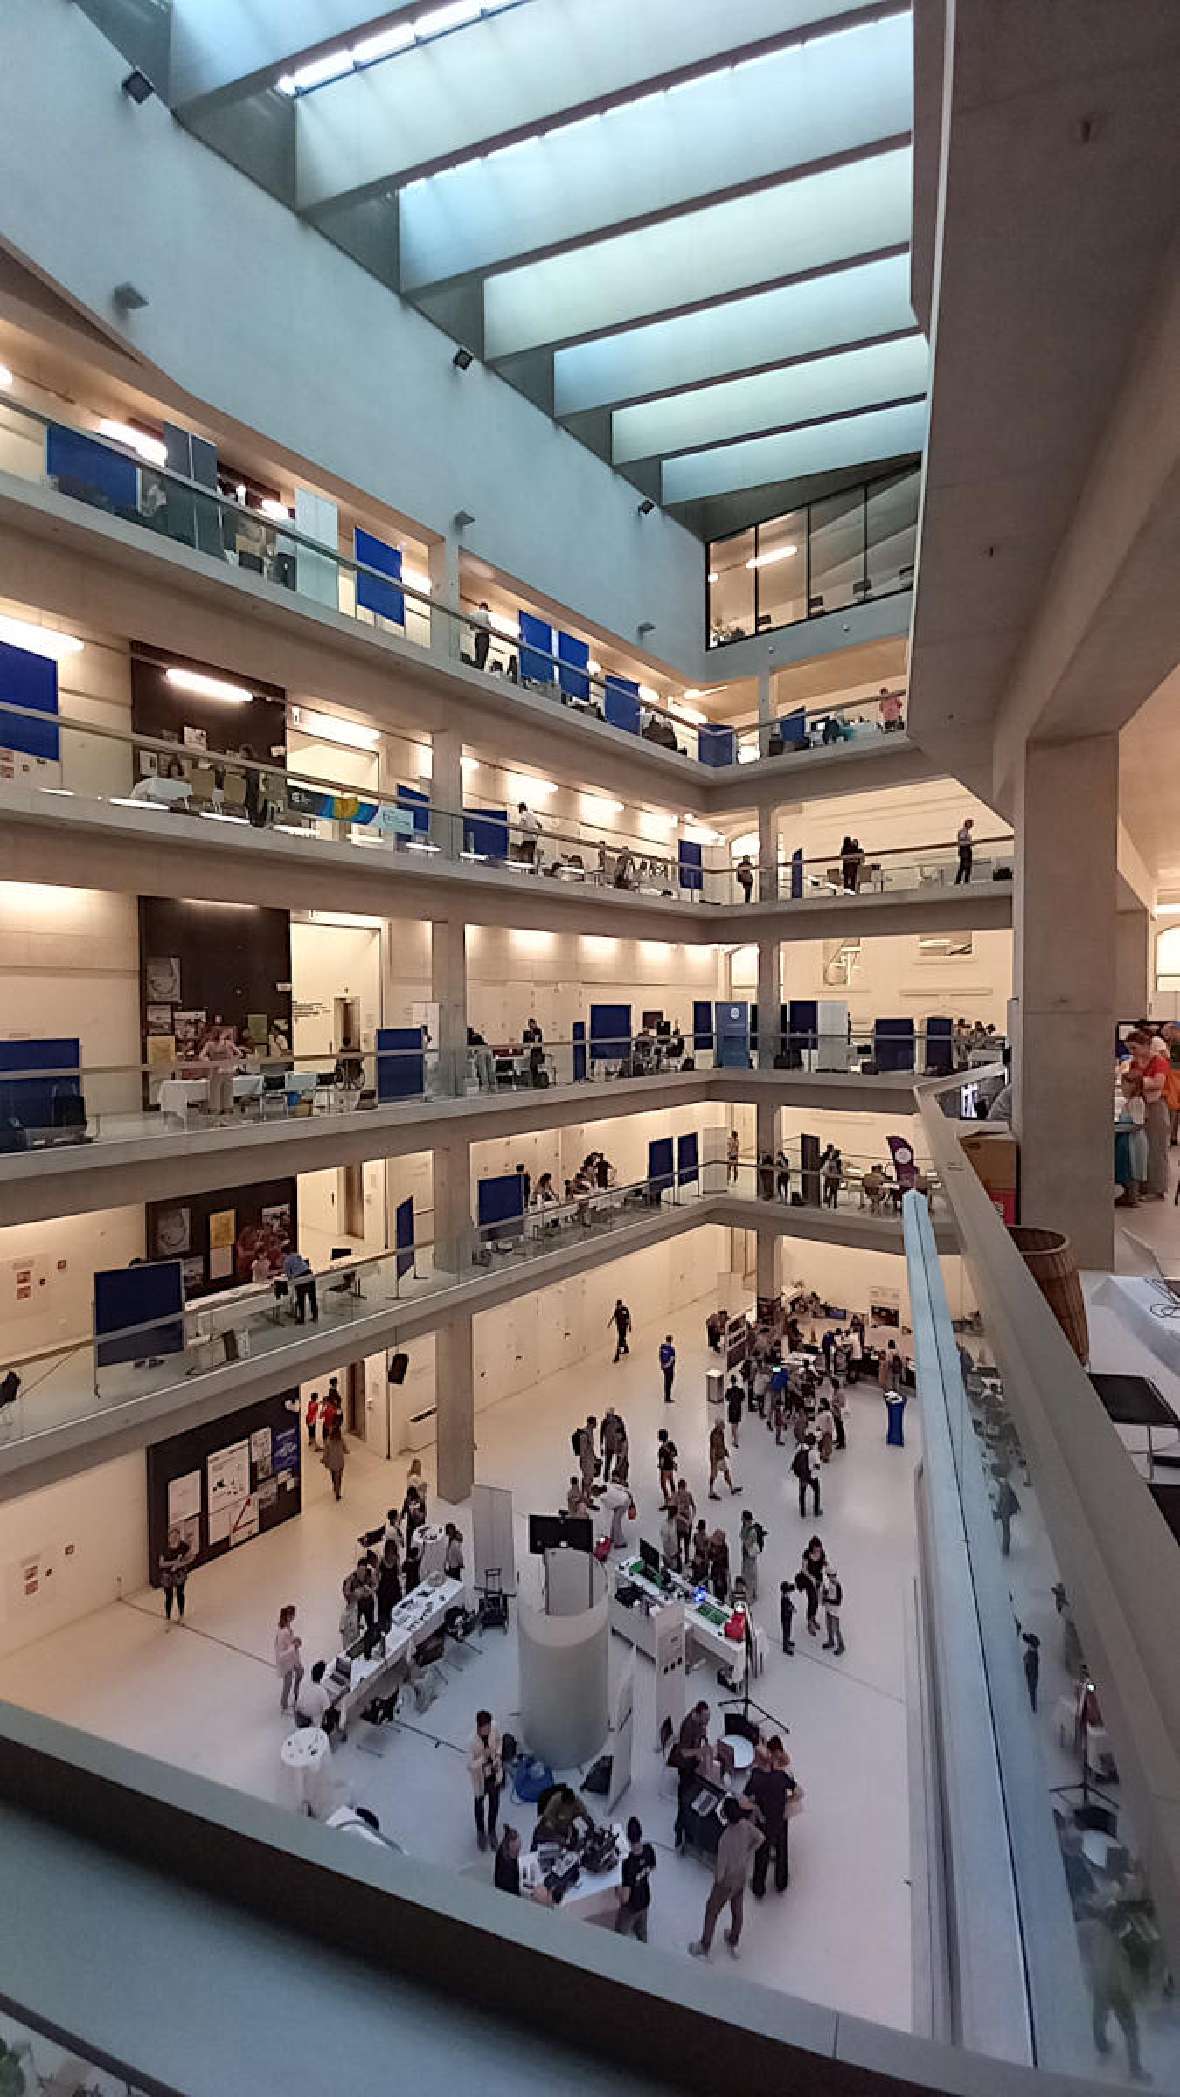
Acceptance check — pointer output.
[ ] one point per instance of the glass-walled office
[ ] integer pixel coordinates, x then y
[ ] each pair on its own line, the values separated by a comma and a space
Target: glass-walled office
845, 549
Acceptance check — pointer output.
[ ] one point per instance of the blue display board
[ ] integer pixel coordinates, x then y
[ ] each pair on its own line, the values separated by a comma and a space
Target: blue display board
793, 729
621, 704
371, 592
536, 649
29, 680
893, 1044
797, 873
151, 1293
91, 470
802, 1026
732, 1023
573, 658
940, 1049
486, 830
30, 1101
687, 1160
419, 803
500, 1205
400, 1075
690, 865
660, 1169
716, 746
578, 1036
702, 1023
610, 1033
403, 1236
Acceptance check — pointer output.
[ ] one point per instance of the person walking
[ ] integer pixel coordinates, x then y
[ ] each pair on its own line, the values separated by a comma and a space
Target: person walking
832, 1595
485, 1764
635, 1890
838, 1405
805, 1465
331, 1408
740, 1838
719, 1461
735, 1401
733, 1152
668, 1367
389, 1583
583, 1442
786, 1615
1032, 1665
311, 1415
335, 1452
966, 843
751, 1539
1005, 1506
620, 1318
288, 1649
825, 1427
809, 1581
771, 1789
667, 1459
1111, 1978
174, 1562
686, 1508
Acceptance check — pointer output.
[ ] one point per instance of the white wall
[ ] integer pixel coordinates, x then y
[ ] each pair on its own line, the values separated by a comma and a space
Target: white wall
330, 961
88, 1538
560, 1151
63, 1253
397, 419
69, 965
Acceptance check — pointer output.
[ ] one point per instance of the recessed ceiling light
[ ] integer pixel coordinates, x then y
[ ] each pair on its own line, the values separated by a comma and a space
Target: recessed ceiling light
39, 640
153, 449
395, 38
329, 728
204, 687
5, 376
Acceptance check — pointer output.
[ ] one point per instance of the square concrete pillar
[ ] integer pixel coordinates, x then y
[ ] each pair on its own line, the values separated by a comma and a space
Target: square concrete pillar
770, 998
448, 988
1065, 919
454, 1406
1133, 974
446, 792
443, 561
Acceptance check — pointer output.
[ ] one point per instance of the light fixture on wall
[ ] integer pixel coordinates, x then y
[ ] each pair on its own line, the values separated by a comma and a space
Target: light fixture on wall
462, 519
203, 687
645, 627
128, 298
767, 560
153, 449
462, 361
645, 507
329, 728
712, 576
39, 640
137, 87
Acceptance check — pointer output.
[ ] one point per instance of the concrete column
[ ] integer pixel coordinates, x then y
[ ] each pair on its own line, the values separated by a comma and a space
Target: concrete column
448, 987
770, 1244
446, 791
770, 998
454, 1405
765, 710
1065, 923
1134, 975
443, 565
768, 855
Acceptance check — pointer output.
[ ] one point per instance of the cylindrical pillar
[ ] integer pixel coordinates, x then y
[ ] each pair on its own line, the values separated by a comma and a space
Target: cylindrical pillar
563, 1662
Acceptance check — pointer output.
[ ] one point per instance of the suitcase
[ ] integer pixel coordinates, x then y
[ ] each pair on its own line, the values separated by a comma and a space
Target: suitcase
493, 1602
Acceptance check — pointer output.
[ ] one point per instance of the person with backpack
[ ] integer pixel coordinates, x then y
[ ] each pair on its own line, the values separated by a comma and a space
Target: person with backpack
805, 1465
668, 1367
667, 1458
635, 1890
620, 1318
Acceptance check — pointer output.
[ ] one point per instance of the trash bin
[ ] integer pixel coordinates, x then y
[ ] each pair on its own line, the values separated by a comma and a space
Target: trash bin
714, 1386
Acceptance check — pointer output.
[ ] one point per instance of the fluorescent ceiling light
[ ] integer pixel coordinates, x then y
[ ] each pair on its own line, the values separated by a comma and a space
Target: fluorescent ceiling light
272, 508
349, 918
318, 70
599, 808
414, 579
1167, 910
519, 785
39, 640
395, 38
5, 376
209, 687
712, 575
700, 833
649, 693
469, 764
329, 728
151, 448
767, 560
449, 17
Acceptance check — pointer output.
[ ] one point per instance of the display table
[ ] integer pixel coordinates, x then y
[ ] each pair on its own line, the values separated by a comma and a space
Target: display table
596, 1893
704, 1622
416, 1618
432, 1550
177, 1095
304, 1755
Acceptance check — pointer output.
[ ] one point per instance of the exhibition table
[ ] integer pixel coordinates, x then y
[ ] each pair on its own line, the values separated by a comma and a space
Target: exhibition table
595, 1894
416, 1618
704, 1621
177, 1095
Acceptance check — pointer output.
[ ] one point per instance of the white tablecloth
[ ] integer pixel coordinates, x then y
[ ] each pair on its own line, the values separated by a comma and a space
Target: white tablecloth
304, 1755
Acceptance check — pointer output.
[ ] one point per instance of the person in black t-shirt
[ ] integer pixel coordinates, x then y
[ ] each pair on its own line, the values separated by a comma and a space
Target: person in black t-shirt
635, 1891
771, 1786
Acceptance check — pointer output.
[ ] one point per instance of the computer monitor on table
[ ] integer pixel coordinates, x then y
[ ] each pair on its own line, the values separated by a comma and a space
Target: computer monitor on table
651, 1559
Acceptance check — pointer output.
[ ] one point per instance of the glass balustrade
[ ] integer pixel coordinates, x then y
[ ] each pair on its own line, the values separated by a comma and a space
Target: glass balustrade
264, 544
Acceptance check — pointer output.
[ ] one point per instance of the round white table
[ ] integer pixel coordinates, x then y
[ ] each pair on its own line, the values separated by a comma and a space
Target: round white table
741, 1749
304, 1755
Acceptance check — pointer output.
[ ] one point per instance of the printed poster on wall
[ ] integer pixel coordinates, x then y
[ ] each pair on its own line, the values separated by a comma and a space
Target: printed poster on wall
161, 979
222, 1232
245, 1521
884, 1307
260, 1453
286, 1458
184, 1497
227, 1474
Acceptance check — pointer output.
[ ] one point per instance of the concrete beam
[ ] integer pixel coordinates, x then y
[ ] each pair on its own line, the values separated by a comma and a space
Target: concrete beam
811, 105
222, 52
787, 231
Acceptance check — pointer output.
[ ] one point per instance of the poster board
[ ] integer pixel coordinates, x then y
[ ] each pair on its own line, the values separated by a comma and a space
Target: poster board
227, 1473
622, 1730
670, 1675
493, 1538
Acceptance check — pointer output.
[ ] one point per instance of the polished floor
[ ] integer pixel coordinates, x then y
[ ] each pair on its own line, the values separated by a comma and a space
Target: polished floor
206, 1696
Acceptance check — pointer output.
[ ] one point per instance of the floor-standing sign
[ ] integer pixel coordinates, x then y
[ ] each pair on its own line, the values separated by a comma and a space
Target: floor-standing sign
670, 1691
624, 1713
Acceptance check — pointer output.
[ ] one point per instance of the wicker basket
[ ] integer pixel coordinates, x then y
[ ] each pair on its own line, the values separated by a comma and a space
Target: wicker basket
1050, 1260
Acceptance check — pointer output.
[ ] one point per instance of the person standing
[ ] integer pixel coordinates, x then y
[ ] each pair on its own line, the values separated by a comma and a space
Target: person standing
735, 1399
1032, 1665
668, 1367
766, 1176
686, 1508
805, 1465
584, 1451
620, 1317
782, 1174
966, 844
809, 1581
332, 1408
786, 1615
719, 1564
751, 1538
771, 1789
839, 1403
335, 1452
739, 1840
635, 1891
485, 1762
669, 1541
719, 1461
482, 624
311, 1415
1005, 1506
825, 1427
453, 1555
685, 1759
667, 1458
389, 1584
622, 1456
833, 1601
288, 1649
831, 1170
174, 1562
733, 1152
529, 826
608, 1441
744, 871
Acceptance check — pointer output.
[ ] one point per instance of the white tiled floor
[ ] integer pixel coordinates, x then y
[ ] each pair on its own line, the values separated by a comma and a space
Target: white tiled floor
206, 1697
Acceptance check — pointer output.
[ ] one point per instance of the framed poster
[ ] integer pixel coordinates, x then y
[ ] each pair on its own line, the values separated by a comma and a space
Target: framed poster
161, 979
227, 1474
159, 1019
277, 1219
223, 1224
260, 1453
173, 1233
184, 1497
245, 1521
192, 1268
161, 1052
188, 1027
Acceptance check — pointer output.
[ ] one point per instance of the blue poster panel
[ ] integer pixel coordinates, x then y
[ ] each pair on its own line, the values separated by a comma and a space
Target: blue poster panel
372, 592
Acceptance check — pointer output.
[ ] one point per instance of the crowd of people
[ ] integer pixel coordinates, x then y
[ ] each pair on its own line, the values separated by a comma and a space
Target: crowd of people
1146, 1111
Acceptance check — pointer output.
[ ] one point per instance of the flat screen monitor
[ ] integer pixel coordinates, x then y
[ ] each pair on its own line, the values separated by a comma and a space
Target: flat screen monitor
651, 1558
653, 1021
551, 1532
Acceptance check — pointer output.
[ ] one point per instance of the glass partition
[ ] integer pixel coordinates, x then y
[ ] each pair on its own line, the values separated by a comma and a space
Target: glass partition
842, 549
